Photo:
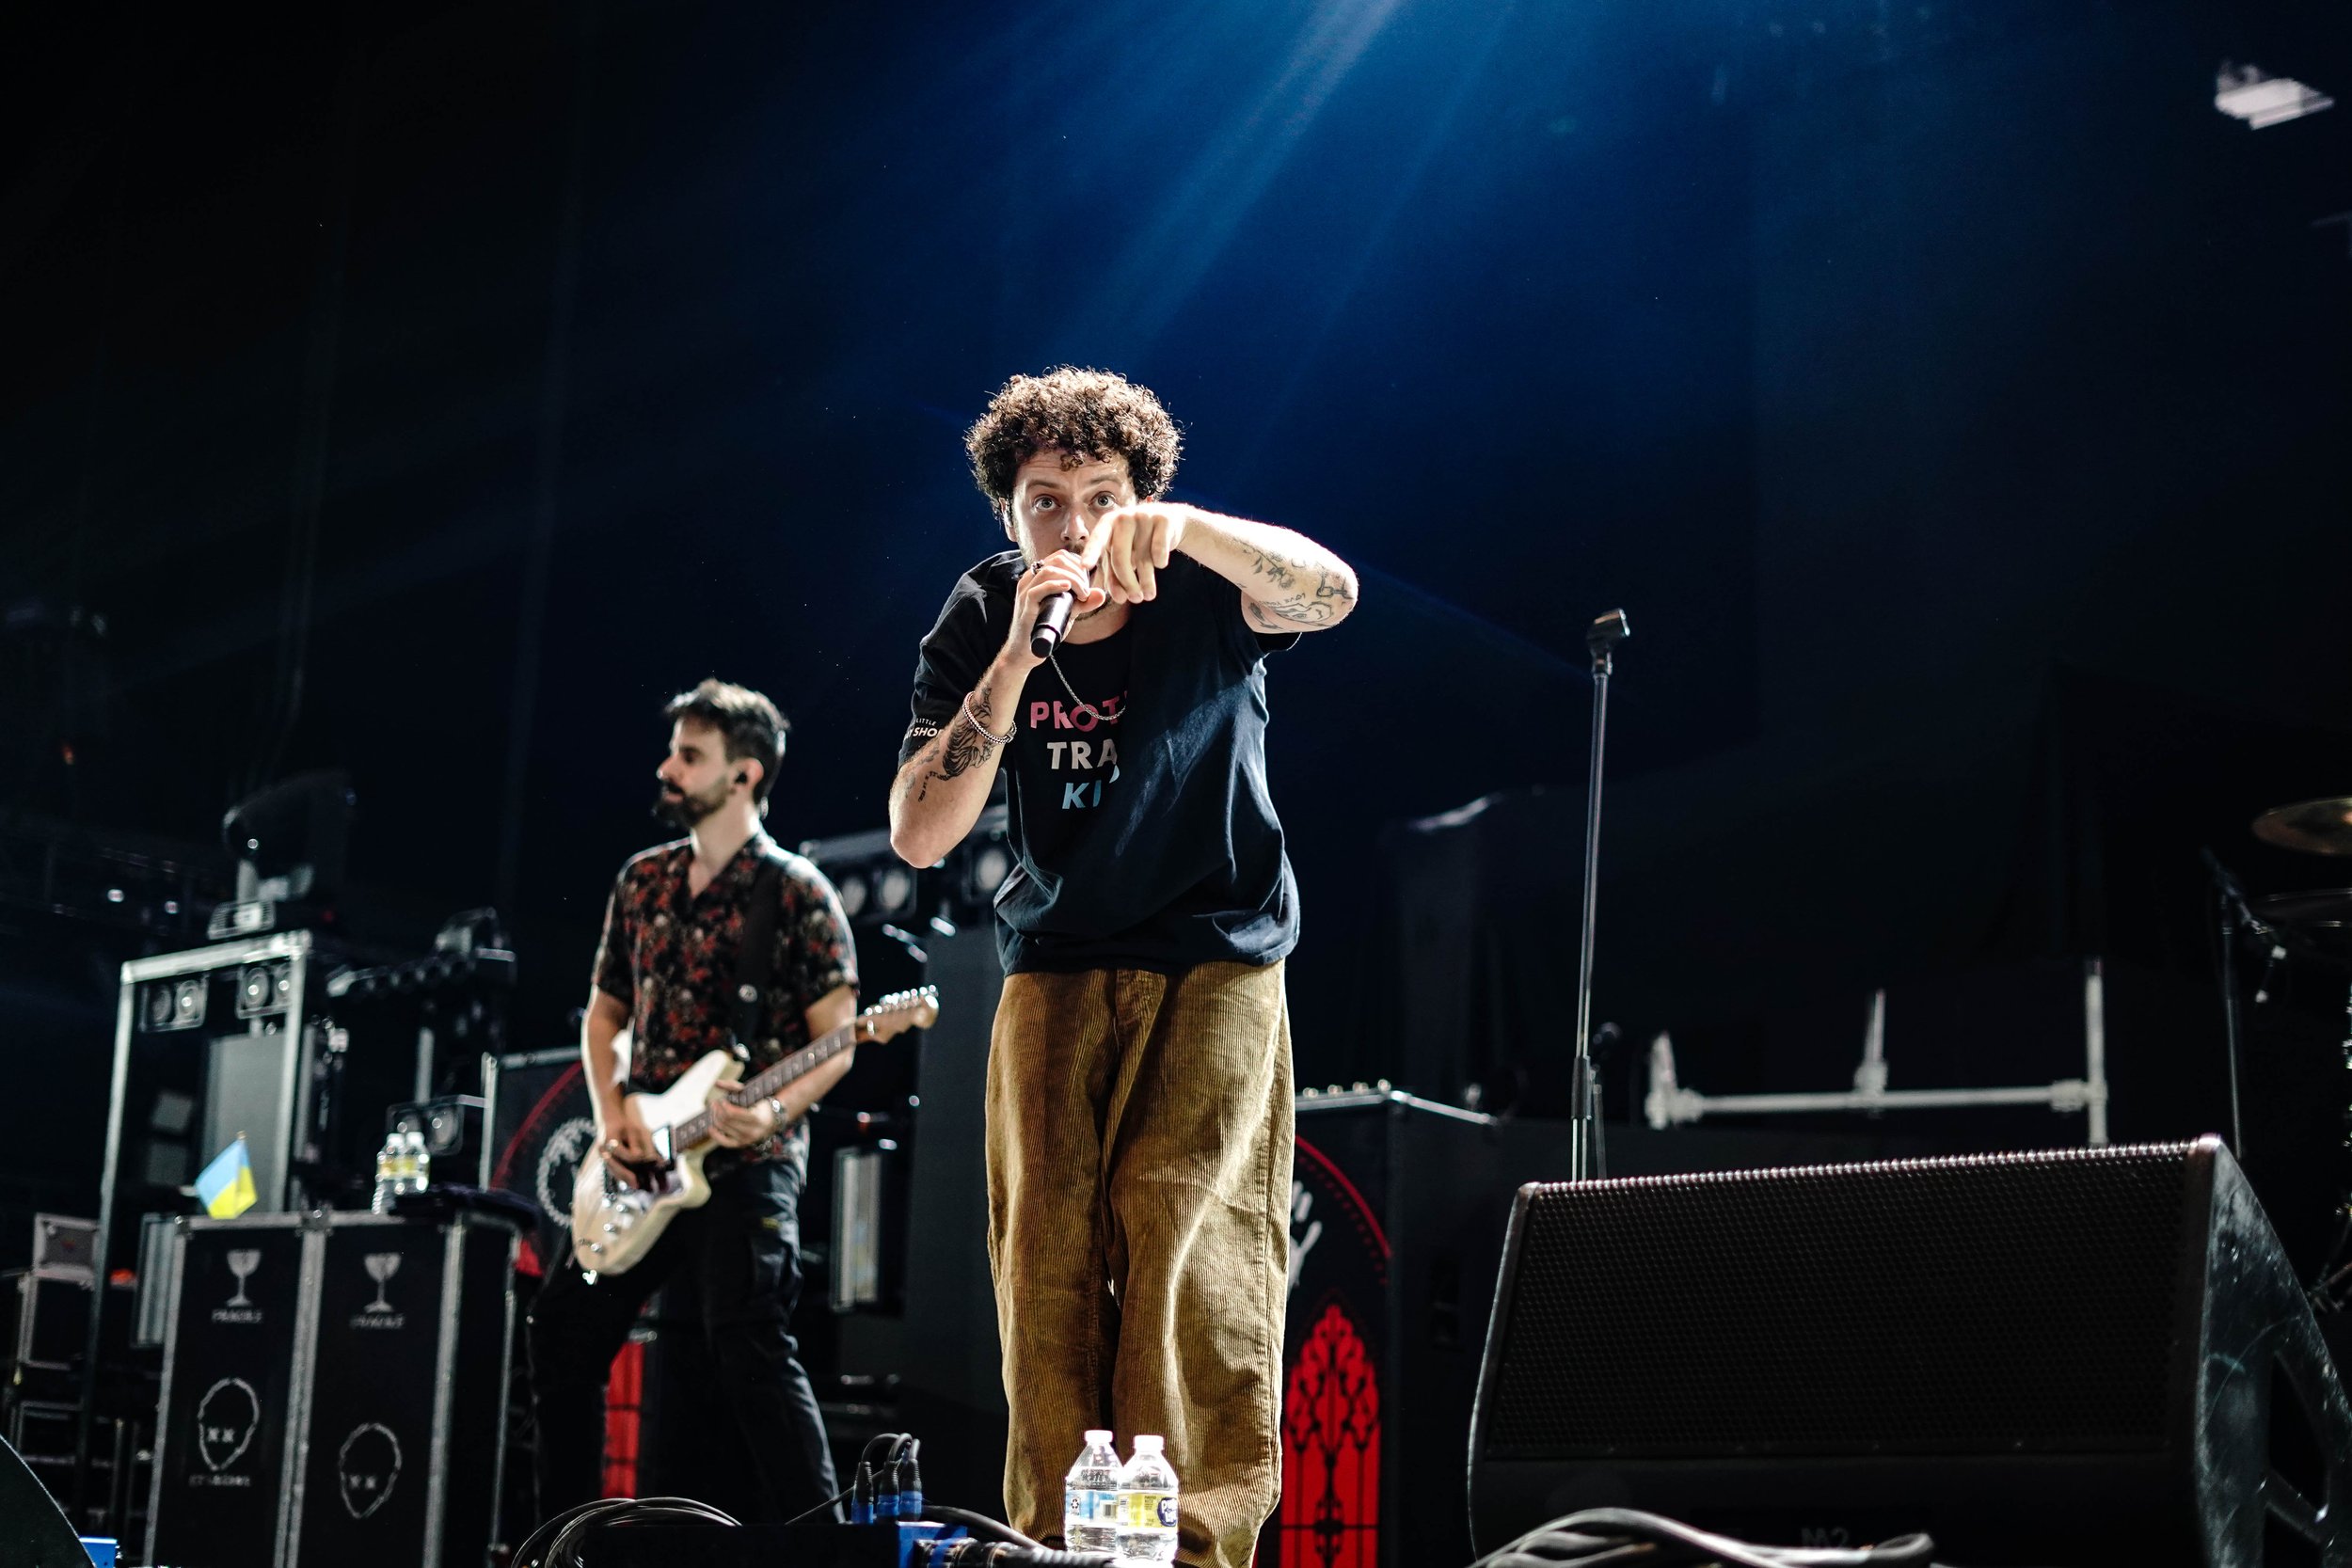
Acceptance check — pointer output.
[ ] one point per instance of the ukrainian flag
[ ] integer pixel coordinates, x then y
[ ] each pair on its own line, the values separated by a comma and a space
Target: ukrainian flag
226, 1186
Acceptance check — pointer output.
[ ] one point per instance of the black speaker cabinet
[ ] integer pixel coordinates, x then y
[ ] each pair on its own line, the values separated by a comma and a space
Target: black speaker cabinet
2083, 1357
33, 1530
1398, 1211
334, 1388
541, 1124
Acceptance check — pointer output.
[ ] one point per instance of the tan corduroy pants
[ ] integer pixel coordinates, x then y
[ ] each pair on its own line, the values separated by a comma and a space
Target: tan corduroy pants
1139, 1140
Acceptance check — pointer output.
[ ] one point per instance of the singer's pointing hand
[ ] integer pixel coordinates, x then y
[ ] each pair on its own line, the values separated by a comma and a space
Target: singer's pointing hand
1133, 544
1062, 572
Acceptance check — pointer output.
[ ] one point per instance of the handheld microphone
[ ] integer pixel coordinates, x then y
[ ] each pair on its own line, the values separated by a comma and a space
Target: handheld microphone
1053, 619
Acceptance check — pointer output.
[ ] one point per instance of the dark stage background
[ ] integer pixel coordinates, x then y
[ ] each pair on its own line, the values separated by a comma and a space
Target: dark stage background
1956, 401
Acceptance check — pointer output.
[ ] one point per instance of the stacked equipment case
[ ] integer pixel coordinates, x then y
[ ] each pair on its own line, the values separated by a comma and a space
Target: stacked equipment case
334, 1391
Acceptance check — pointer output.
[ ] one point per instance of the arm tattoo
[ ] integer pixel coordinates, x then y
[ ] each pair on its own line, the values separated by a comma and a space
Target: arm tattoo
965, 747
1296, 595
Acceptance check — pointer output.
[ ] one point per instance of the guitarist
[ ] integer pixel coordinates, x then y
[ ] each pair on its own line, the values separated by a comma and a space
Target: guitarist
669, 970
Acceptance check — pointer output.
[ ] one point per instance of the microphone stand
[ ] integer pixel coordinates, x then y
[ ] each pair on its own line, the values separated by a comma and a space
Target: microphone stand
1584, 1097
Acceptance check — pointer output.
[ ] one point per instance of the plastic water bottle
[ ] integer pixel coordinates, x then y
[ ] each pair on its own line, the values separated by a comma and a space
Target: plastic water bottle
1147, 1505
420, 1163
1090, 1498
387, 1161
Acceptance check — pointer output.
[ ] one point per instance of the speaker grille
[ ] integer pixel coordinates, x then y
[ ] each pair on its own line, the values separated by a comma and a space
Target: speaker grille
2000, 1304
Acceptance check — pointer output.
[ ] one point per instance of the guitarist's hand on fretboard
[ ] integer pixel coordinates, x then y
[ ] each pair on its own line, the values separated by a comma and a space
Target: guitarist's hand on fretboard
734, 1126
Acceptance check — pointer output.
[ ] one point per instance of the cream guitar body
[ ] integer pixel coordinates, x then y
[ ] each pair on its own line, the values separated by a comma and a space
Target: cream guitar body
614, 1224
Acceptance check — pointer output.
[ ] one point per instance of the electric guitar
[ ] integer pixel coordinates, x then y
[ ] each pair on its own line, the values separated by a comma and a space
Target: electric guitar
614, 1224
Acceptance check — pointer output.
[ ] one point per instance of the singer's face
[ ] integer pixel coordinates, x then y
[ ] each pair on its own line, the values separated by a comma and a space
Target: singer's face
1056, 508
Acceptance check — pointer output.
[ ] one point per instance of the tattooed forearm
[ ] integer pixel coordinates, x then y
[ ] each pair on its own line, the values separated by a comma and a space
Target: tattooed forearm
1288, 582
1278, 572
1259, 620
965, 747
1290, 613
1296, 595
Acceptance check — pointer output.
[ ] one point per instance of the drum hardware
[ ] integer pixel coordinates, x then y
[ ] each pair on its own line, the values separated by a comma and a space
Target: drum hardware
2314, 926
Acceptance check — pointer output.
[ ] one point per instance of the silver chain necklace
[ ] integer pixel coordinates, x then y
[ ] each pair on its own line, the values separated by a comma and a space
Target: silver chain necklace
1082, 704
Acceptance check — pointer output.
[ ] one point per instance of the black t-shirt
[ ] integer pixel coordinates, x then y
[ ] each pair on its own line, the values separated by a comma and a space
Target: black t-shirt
1143, 833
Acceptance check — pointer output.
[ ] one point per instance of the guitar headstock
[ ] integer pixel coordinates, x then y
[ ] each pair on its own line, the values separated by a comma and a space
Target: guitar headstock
899, 1011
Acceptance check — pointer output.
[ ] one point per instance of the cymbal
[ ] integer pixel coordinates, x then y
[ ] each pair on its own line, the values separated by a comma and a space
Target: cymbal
2315, 827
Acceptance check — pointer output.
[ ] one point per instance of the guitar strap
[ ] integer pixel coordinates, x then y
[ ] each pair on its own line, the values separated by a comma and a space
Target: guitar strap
756, 964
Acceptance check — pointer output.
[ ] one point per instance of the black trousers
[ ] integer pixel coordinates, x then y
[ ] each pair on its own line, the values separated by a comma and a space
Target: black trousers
730, 1273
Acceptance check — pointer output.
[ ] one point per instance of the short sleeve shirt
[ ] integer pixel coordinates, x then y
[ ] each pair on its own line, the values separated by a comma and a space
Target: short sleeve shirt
1143, 830
673, 958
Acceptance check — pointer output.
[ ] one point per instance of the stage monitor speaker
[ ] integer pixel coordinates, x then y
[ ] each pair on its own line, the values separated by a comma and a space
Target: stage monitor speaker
2084, 1357
34, 1533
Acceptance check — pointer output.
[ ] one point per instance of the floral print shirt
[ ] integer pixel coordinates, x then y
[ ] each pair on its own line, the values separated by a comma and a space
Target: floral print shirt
673, 957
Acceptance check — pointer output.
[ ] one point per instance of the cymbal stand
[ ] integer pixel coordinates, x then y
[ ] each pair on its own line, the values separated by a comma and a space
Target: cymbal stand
1606, 632
2230, 900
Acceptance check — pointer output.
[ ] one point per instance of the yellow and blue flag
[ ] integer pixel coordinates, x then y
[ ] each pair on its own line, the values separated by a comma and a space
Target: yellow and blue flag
226, 1186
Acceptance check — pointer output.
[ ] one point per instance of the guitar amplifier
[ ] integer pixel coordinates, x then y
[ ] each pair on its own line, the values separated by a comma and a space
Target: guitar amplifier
334, 1388
541, 1124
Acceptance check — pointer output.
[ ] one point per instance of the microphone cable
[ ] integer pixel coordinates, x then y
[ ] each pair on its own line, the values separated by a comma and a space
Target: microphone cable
1599, 1536
547, 1545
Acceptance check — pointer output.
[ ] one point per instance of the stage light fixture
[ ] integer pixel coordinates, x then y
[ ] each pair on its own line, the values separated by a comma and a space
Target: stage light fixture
265, 989
2243, 92
852, 887
894, 892
991, 863
173, 1003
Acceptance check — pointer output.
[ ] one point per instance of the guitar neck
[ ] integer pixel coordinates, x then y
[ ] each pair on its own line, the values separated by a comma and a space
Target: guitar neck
802, 1062
807, 1059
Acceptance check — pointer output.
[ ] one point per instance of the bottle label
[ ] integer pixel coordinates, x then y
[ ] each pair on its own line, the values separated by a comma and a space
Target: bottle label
1091, 1506
1151, 1511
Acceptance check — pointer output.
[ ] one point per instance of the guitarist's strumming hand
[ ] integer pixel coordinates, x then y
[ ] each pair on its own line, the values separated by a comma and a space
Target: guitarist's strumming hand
622, 1138
734, 1126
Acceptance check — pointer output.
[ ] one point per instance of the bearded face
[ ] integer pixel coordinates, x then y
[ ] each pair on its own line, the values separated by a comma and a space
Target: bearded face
697, 777
683, 808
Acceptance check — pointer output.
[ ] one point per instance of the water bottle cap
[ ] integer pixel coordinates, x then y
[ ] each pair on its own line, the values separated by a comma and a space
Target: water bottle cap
1096, 1435
1149, 1445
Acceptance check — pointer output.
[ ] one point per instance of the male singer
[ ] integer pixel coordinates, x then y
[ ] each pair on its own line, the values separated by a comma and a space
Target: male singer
1139, 1075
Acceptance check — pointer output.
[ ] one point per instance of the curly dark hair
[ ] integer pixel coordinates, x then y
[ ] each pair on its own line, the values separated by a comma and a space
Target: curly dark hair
1093, 416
